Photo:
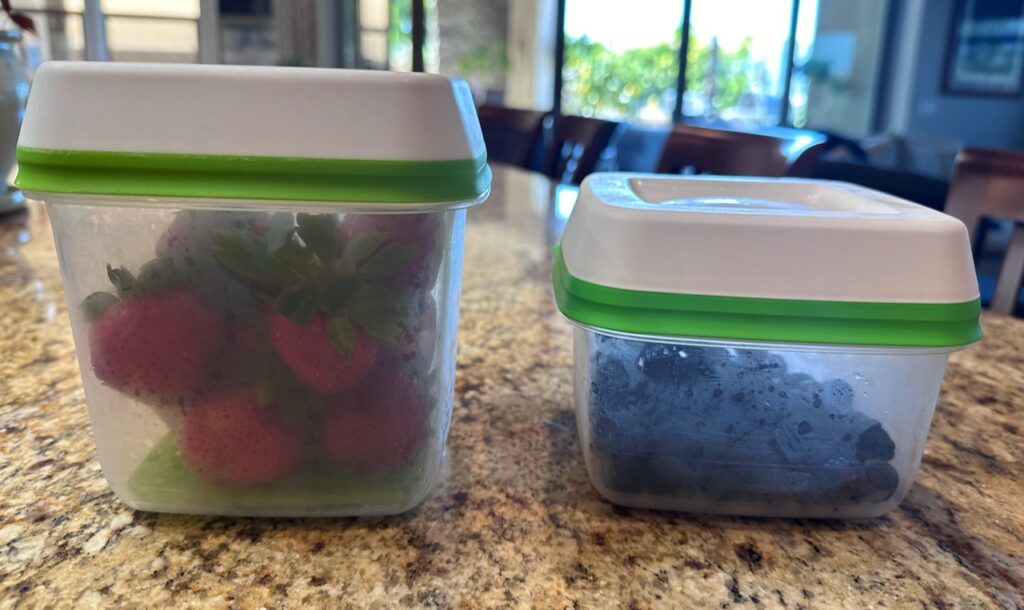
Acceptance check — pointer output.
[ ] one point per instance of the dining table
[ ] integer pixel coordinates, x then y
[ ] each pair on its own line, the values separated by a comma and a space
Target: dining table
514, 521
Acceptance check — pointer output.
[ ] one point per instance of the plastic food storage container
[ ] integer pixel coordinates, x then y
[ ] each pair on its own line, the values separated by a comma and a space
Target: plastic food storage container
262, 268
759, 347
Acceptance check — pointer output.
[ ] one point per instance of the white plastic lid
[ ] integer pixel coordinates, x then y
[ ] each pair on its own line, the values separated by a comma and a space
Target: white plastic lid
763, 259
786, 239
364, 126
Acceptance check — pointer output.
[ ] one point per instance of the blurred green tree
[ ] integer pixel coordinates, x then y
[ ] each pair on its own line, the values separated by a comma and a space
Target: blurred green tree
598, 81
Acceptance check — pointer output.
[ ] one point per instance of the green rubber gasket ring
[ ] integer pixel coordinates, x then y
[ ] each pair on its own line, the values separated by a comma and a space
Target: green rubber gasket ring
759, 319
251, 177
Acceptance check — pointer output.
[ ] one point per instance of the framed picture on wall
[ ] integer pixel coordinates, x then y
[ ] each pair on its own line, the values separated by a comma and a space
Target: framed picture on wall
985, 54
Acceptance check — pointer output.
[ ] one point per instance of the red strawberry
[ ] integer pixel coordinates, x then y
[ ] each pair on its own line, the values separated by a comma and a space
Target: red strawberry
157, 346
422, 231
310, 355
382, 425
229, 439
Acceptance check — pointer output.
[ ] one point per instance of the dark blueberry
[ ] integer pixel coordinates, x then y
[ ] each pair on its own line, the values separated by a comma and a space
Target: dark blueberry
875, 444
837, 394
761, 363
883, 479
625, 473
804, 427
667, 362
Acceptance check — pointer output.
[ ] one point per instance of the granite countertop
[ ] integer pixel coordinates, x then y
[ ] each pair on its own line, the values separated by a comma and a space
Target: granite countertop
514, 522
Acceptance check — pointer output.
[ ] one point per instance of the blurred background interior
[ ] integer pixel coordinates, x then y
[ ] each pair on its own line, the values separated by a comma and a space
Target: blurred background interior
918, 98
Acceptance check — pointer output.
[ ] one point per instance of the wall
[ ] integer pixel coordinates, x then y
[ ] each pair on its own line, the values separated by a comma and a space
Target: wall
993, 122
530, 80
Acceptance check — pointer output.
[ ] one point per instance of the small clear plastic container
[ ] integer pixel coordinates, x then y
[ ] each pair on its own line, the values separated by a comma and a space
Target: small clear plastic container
751, 428
270, 335
759, 347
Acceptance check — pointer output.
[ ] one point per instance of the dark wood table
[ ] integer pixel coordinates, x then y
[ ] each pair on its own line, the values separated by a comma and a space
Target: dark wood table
514, 522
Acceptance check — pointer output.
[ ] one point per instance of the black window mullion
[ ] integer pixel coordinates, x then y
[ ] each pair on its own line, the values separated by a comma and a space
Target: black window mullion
556, 103
684, 46
788, 68
419, 34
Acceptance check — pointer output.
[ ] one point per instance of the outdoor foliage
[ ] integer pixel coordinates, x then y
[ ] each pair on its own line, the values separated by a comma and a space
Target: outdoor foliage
601, 82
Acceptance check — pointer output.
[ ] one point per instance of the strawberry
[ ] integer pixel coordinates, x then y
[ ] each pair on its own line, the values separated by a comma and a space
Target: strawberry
381, 425
229, 439
154, 342
331, 304
421, 232
308, 351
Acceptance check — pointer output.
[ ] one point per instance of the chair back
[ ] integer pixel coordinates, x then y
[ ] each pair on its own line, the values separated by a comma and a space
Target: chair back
990, 183
511, 134
576, 147
703, 150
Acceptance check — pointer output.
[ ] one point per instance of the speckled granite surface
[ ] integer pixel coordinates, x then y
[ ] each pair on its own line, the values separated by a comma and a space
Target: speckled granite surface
514, 522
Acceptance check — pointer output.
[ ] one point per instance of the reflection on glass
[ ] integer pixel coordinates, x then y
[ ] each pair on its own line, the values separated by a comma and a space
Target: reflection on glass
621, 64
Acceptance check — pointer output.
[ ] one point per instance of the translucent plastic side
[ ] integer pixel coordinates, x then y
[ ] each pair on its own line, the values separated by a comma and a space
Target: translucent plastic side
264, 361
746, 429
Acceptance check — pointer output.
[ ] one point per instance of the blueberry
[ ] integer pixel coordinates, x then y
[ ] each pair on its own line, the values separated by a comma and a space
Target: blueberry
836, 394
875, 444
625, 473
667, 362
883, 479
761, 362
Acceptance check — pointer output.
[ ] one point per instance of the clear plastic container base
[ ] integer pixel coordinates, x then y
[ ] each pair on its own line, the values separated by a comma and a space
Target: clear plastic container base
752, 429
263, 358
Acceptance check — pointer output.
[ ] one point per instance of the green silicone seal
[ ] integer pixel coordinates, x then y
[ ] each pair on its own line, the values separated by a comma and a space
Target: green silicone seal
756, 319
247, 177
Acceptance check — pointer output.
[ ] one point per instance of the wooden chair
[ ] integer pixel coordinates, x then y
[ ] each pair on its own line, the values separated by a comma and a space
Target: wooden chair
576, 147
736, 153
990, 183
511, 134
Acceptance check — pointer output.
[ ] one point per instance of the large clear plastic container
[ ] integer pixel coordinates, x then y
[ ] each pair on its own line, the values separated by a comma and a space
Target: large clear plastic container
730, 427
264, 296
207, 394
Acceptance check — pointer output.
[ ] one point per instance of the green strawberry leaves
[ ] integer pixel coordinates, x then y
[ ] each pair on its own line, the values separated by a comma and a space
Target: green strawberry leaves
340, 292
341, 334
299, 304
122, 279
156, 276
388, 261
245, 254
357, 250
379, 312
97, 304
320, 234
307, 270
